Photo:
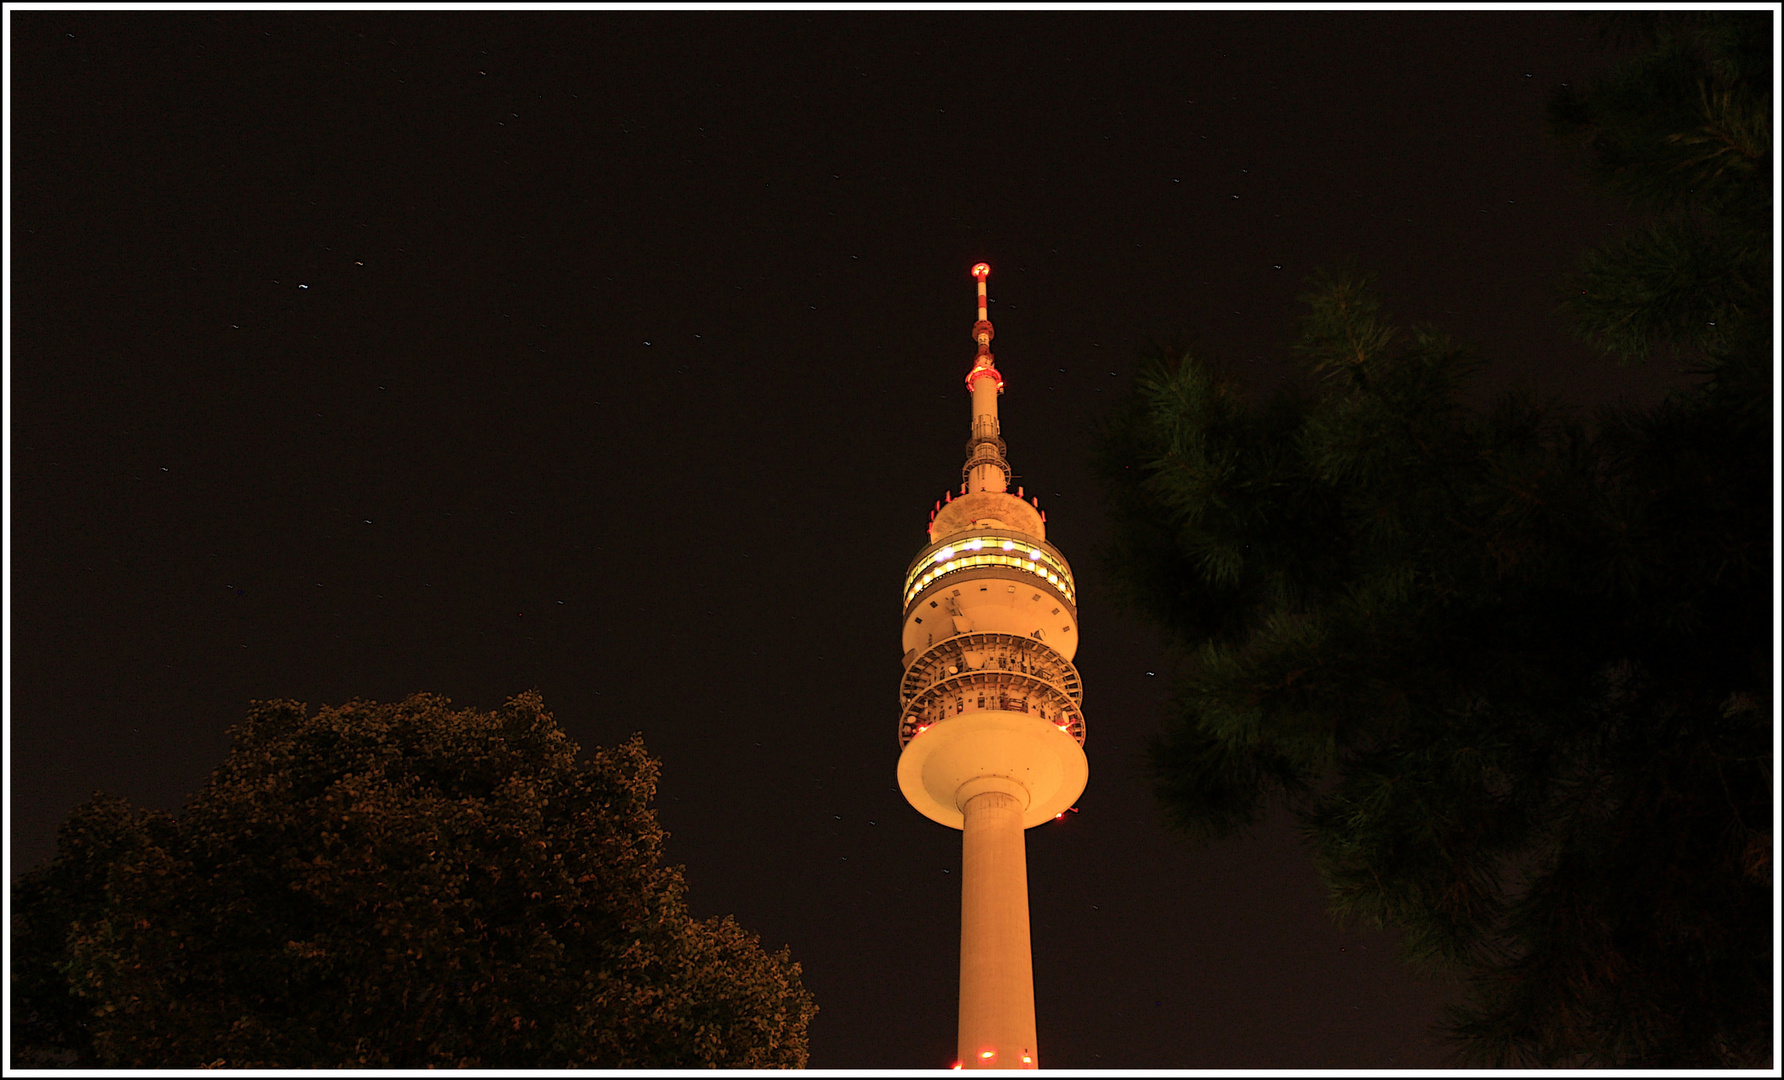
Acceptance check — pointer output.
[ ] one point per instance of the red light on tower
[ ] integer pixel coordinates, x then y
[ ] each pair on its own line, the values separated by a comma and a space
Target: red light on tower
981, 271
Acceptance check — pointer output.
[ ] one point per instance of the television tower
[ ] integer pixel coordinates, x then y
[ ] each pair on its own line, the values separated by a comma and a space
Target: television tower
992, 732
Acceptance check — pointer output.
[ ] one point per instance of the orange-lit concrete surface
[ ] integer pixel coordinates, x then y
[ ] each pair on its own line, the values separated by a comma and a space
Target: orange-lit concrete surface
991, 730
996, 965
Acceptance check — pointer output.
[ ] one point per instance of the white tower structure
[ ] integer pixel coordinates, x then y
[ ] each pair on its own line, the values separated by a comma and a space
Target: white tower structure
992, 732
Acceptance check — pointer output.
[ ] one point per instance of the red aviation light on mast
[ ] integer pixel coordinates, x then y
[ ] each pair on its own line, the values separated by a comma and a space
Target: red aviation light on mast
983, 366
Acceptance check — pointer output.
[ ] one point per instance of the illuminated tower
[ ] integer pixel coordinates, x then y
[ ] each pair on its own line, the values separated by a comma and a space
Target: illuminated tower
992, 733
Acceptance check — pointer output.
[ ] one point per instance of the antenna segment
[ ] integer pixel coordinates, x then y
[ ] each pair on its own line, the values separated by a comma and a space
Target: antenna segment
986, 469
982, 333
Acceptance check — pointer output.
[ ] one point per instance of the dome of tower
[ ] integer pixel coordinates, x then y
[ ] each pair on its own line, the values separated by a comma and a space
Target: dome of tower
987, 509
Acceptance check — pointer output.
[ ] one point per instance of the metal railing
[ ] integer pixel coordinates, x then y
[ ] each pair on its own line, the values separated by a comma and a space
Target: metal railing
990, 672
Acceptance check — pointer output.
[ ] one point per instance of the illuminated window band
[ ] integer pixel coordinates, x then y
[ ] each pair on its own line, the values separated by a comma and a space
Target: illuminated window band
990, 551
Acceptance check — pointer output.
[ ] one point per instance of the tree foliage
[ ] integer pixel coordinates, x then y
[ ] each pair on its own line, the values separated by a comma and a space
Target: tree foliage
1512, 671
393, 885
1681, 132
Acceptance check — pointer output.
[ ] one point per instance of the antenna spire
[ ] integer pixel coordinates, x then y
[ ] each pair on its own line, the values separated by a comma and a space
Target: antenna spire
986, 469
982, 333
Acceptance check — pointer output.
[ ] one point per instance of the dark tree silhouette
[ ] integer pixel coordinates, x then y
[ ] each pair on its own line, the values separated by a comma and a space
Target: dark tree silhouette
1511, 671
392, 885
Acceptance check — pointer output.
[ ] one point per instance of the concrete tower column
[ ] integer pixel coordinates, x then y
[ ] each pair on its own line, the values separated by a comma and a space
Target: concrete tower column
996, 965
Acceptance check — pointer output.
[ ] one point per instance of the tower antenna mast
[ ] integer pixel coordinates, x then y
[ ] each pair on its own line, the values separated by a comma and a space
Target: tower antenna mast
986, 469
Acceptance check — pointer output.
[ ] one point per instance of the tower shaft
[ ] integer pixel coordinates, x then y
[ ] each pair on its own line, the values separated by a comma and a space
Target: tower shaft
996, 965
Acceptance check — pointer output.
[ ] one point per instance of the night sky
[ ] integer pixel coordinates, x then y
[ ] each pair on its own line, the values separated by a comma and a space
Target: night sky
619, 355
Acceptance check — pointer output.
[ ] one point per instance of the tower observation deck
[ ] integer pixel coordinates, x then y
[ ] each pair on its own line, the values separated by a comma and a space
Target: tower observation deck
991, 730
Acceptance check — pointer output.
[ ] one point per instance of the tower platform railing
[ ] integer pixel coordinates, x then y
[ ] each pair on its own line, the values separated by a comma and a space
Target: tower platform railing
990, 652
990, 672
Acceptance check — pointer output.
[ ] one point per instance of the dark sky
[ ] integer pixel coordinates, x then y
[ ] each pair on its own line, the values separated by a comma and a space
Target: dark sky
619, 355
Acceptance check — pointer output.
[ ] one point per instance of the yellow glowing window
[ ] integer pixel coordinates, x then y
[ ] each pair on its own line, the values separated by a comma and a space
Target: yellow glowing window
956, 557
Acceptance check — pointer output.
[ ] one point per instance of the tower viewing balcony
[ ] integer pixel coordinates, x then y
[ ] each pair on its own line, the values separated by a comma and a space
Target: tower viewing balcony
995, 672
